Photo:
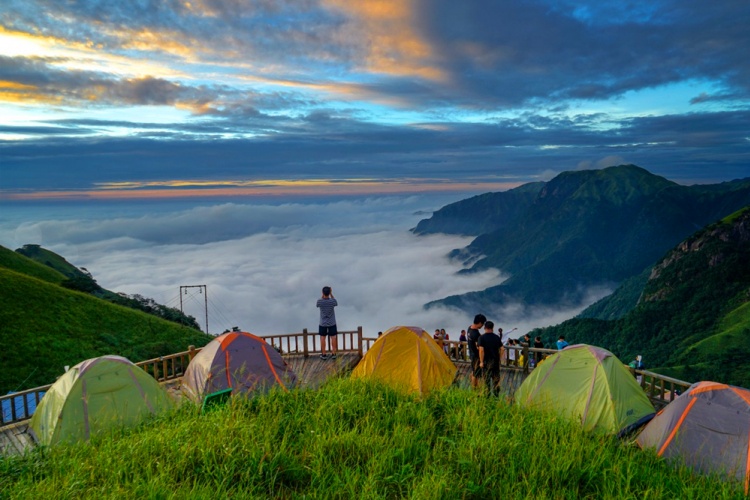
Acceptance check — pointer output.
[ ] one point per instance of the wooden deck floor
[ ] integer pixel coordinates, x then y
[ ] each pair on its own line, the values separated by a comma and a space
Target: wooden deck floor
510, 379
14, 439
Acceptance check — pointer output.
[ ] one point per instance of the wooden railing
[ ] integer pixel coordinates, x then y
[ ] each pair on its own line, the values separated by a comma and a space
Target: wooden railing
660, 388
21, 404
459, 352
307, 343
171, 367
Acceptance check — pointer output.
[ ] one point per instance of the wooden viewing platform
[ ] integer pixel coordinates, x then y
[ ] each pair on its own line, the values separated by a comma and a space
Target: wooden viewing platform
302, 352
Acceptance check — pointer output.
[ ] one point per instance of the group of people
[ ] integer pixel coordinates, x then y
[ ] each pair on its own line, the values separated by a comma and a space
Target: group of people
486, 348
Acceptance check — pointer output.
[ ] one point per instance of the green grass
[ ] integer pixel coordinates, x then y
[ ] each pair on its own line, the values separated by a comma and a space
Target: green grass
21, 264
353, 439
730, 333
44, 327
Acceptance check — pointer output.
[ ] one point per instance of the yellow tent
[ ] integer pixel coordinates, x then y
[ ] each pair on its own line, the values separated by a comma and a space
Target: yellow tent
406, 357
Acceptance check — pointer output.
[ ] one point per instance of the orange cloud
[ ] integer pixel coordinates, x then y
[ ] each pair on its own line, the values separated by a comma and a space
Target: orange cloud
165, 41
216, 189
5, 84
393, 44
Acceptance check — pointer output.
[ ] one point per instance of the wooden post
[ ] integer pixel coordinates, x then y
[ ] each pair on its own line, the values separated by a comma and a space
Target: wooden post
304, 342
526, 360
359, 341
191, 352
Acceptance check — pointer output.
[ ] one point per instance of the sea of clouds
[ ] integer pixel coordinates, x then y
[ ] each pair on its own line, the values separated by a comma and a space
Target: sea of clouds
264, 264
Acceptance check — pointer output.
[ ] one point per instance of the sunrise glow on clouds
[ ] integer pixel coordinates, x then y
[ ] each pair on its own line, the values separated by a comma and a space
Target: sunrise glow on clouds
259, 188
387, 94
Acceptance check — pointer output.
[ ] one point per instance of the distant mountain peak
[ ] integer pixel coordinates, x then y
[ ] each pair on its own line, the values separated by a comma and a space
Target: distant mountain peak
618, 185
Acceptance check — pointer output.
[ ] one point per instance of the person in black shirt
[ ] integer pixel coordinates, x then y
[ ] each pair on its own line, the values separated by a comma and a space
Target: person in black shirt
472, 336
538, 344
490, 353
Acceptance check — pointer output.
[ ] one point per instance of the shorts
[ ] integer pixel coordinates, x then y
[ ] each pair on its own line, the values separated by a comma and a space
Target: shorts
329, 331
475, 369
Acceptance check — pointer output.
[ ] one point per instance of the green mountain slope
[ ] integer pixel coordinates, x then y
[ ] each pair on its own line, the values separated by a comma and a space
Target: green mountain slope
693, 318
44, 327
481, 214
589, 228
19, 263
82, 281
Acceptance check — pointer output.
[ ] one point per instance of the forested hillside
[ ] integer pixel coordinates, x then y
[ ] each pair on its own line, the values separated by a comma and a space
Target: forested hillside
693, 317
586, 228
481, 214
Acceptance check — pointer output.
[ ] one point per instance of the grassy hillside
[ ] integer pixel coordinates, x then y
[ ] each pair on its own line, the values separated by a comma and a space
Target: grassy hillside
30, 257
353, 439
44, 327
21, 264
693, 318
724, 355
50, 259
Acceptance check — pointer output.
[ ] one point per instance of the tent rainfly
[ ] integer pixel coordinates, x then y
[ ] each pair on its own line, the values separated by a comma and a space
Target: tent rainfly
707, 428
239, 361
590, 384
407, 358
96, 395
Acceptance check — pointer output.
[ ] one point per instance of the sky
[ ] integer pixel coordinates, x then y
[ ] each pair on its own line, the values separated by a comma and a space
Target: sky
154, 99
268, 147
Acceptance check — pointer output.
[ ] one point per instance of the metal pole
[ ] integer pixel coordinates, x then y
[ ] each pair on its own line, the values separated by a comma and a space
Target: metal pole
205, 295
204, 291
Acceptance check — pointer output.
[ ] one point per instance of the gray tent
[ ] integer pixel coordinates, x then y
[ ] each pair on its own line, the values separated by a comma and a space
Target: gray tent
707, 428
238, 361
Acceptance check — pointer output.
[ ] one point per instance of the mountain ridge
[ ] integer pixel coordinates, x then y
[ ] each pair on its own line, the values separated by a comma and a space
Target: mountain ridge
589, 228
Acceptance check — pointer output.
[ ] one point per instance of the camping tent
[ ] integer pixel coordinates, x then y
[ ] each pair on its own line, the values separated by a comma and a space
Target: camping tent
408, 358
591, 384
96, 395
239, 361
706, 428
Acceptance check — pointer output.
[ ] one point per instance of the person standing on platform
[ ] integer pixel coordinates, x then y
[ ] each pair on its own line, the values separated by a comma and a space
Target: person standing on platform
538, 356
472, 336
461, 338
490, 353
327, 324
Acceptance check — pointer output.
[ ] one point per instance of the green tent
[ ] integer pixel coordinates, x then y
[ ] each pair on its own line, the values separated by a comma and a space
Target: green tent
589, 384
96, 395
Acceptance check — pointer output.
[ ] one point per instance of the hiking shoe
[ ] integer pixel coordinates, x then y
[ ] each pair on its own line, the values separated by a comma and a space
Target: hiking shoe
333, 356
324, 356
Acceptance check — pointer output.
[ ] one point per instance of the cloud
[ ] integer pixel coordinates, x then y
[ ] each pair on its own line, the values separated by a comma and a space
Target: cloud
267, 280
480, 55
697, 147
218, 222
43, 80
264, 265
